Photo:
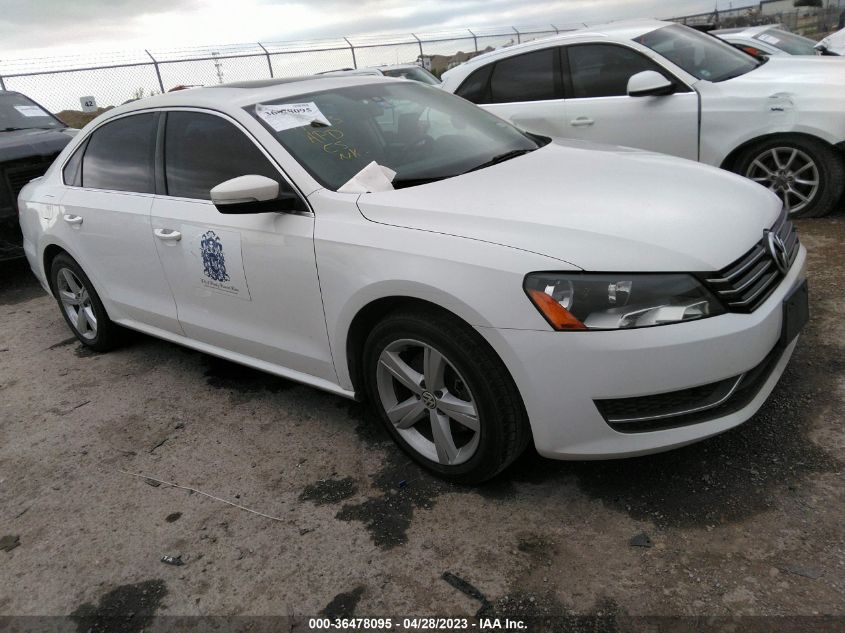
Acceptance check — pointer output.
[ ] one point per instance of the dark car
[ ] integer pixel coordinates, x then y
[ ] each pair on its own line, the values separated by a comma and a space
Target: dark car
30, 139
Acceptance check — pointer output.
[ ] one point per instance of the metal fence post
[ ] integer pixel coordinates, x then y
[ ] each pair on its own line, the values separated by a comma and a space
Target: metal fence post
158, 74
267, 55
474, 39
518, 38
419, 41
2, 85
352, 49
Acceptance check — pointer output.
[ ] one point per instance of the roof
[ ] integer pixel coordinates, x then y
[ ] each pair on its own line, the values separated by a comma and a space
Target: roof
245, 93
621, 30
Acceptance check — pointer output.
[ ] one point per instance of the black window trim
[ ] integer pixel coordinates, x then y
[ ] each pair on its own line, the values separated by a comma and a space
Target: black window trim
83, 147
159, 166
681, 87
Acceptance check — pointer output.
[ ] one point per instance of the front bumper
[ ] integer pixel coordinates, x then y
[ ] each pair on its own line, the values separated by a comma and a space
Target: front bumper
561, 375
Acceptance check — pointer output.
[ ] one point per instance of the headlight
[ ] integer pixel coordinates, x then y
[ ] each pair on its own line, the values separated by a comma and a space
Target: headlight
571, 301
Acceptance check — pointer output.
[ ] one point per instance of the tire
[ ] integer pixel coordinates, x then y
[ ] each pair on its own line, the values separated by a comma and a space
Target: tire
73, 290
470, 378
785, 164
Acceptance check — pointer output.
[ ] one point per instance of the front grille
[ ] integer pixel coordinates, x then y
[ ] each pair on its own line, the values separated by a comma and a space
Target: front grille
688, 406
745, 284
16, 175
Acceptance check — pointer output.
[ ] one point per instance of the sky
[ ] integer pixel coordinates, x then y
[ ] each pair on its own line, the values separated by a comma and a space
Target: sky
42, 28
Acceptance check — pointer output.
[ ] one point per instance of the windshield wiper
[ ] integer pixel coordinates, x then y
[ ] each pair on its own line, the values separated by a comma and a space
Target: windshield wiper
501, 158
13, 129
402, 183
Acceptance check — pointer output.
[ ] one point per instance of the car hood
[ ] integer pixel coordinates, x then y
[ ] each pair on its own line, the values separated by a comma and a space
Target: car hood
31, 143
794, 74
599, 208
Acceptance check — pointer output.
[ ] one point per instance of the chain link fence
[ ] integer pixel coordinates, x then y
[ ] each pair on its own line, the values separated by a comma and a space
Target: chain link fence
59, 83
813, 22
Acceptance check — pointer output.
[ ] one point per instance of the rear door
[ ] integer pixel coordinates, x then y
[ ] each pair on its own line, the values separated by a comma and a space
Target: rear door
599, 109
105, 219
244, 283
525, 89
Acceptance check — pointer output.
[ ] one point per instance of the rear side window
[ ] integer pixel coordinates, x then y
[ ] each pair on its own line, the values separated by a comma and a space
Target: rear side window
121, 155
203, 150
72, 173
476, 87
528, 77
603, 70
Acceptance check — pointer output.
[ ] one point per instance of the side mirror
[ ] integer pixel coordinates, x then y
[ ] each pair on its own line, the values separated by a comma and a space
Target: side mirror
253, 194
649, 83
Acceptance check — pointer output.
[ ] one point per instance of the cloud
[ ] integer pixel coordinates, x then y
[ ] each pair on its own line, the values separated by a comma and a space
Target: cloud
80, 26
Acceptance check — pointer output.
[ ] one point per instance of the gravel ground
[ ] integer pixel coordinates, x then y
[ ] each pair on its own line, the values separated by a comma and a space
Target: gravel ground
747, 523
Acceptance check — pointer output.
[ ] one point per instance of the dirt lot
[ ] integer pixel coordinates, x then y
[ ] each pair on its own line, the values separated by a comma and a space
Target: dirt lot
748, 523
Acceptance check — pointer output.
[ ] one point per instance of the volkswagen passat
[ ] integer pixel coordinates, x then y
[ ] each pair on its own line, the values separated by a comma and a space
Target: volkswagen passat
378, 239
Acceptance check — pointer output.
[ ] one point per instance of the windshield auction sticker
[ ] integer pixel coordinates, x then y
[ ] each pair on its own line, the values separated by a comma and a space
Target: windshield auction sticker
290, 115
30, 110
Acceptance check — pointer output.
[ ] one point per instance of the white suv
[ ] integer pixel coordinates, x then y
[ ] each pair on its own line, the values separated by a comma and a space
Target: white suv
668, 88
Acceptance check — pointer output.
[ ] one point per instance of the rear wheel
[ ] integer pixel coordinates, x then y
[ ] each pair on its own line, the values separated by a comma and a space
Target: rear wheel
81, 306
807, 174
444, 395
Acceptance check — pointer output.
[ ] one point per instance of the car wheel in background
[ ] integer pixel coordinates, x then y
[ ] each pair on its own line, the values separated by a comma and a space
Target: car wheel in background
444, 395
81, 306
807, 174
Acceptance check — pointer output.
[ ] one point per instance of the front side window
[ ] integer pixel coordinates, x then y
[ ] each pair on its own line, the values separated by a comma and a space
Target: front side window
121, 155
19, 113
420, 133
603, 70
528, 77
702, 56
203, 150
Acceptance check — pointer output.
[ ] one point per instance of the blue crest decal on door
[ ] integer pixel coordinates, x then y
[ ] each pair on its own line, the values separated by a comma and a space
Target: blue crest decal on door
213, 260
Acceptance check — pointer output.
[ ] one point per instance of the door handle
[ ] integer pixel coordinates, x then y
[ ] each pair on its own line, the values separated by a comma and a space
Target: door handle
72, 219
581, 121
167, 235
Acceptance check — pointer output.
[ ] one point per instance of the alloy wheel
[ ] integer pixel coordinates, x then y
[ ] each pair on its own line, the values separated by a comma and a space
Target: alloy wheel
792, 174
428, 402
77, 304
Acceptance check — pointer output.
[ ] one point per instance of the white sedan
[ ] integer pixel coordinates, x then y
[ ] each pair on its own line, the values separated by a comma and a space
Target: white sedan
668, 88
379, 239
765, 41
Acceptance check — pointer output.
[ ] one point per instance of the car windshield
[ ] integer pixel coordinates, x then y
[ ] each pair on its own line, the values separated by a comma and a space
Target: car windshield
787, 42
420, 133
702, 56
415, 73
19, 113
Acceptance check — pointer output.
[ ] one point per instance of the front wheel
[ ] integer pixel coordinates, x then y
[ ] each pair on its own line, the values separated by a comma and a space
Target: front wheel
444, 395
807, 174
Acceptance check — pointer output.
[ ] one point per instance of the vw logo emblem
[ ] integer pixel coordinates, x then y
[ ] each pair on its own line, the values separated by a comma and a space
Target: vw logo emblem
777, 249
429, 400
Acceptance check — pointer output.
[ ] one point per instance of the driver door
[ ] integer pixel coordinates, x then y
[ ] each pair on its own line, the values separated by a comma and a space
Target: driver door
246, 283
599, 109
